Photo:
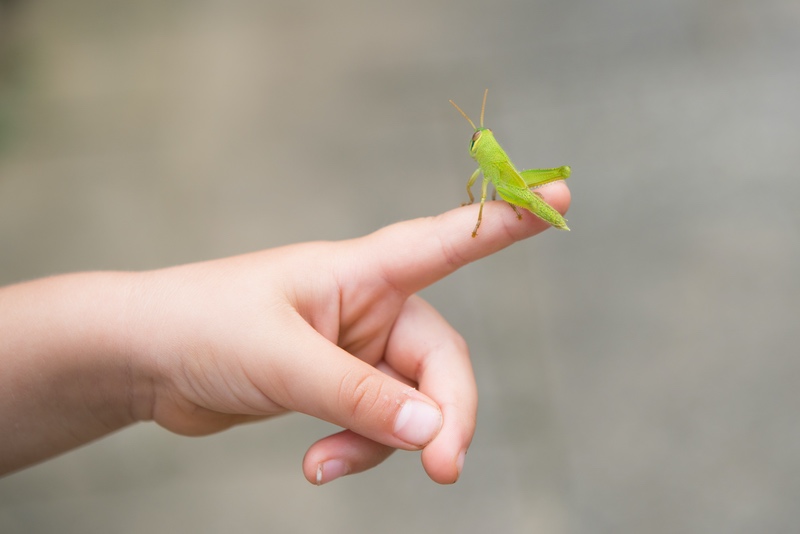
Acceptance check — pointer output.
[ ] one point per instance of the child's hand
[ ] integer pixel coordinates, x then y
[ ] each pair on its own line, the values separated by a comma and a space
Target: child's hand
330, 329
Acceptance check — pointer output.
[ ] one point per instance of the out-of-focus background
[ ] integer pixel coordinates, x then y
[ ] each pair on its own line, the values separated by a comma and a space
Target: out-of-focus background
639, 374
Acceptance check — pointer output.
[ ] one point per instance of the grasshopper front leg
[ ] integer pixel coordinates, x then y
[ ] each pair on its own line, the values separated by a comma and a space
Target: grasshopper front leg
469, 186
486, 180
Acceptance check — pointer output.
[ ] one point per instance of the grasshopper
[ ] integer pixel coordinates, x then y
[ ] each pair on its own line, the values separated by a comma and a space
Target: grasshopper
512, 185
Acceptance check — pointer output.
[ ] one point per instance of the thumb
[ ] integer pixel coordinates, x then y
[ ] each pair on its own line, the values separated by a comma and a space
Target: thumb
322, 380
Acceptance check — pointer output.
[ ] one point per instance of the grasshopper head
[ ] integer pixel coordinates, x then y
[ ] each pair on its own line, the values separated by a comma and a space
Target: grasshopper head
481, 137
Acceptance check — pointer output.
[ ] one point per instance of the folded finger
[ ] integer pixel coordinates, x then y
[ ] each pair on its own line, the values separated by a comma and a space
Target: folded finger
427, 350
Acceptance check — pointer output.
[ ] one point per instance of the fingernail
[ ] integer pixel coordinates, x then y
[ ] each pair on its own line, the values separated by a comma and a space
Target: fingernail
460, 462
417, 423
331, 470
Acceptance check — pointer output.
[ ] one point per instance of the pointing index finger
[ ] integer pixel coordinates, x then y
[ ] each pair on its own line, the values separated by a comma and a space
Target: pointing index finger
414, 254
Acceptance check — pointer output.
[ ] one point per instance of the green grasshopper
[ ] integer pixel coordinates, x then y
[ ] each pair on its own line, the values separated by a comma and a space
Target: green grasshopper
511, 184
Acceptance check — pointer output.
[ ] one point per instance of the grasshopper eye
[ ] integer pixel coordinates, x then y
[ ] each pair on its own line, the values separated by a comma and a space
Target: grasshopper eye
475, 137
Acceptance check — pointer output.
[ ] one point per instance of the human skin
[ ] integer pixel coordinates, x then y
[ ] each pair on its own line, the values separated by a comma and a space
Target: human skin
330, 329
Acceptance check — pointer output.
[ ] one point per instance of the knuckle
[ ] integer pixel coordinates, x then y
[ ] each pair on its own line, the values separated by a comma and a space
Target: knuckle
458, 343
452, 342
451, 254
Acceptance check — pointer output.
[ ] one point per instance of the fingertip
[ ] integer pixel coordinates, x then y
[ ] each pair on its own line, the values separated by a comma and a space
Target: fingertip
443, 463
501, 227
443, 459
558, 195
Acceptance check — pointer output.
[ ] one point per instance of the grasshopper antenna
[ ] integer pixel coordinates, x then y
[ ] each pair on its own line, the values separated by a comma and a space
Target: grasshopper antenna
483, 106
465, 115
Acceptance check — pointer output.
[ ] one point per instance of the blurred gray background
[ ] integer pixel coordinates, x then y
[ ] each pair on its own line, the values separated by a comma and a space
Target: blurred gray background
648, 382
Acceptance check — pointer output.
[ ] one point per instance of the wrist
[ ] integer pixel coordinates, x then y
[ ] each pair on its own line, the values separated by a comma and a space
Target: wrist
68, 377
91, 342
